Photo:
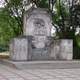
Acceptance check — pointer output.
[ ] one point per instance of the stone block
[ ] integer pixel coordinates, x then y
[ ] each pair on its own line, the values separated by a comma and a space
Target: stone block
19, 49
66, 49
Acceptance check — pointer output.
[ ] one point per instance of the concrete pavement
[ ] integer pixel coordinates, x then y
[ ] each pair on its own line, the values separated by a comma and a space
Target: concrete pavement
9, 73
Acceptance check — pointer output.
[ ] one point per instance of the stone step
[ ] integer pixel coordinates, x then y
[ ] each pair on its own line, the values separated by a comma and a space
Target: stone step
42, 64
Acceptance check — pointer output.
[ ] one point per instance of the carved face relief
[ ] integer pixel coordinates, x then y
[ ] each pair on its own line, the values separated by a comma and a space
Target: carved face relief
40, 28
39, 23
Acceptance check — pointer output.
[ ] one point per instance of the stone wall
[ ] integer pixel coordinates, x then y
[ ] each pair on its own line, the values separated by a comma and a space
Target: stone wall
22, 49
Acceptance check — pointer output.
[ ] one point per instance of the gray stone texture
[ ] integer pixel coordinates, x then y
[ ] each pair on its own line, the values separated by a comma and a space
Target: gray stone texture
19, 49
66, 49
55, 50
37, 22
62, 49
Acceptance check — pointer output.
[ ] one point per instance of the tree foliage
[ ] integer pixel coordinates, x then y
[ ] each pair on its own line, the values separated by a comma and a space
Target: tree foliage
6, 30
66, 18
15, 10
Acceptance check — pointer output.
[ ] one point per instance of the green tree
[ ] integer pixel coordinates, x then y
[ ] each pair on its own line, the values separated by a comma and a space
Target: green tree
62, 17
15, 10
6, 31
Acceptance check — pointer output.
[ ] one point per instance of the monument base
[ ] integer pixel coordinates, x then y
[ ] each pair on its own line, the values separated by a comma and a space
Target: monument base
42, 64
21, 49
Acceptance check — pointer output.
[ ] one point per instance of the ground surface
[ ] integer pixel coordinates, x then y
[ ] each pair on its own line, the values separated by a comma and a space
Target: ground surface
4, 55
7, 73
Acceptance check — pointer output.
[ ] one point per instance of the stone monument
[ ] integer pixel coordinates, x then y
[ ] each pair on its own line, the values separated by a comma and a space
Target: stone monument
37, 43
38, 24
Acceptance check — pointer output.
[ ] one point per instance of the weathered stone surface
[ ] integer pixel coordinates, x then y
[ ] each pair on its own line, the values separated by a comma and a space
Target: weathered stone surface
37, 22
66, 49
62, 49
55, 50
19, 49
42, 53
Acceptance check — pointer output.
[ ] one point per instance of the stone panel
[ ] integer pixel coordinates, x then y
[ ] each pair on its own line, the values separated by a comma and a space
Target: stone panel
19, 49
41, 51
66, 49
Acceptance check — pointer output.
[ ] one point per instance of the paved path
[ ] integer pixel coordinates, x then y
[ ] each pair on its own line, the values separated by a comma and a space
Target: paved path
7, 73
